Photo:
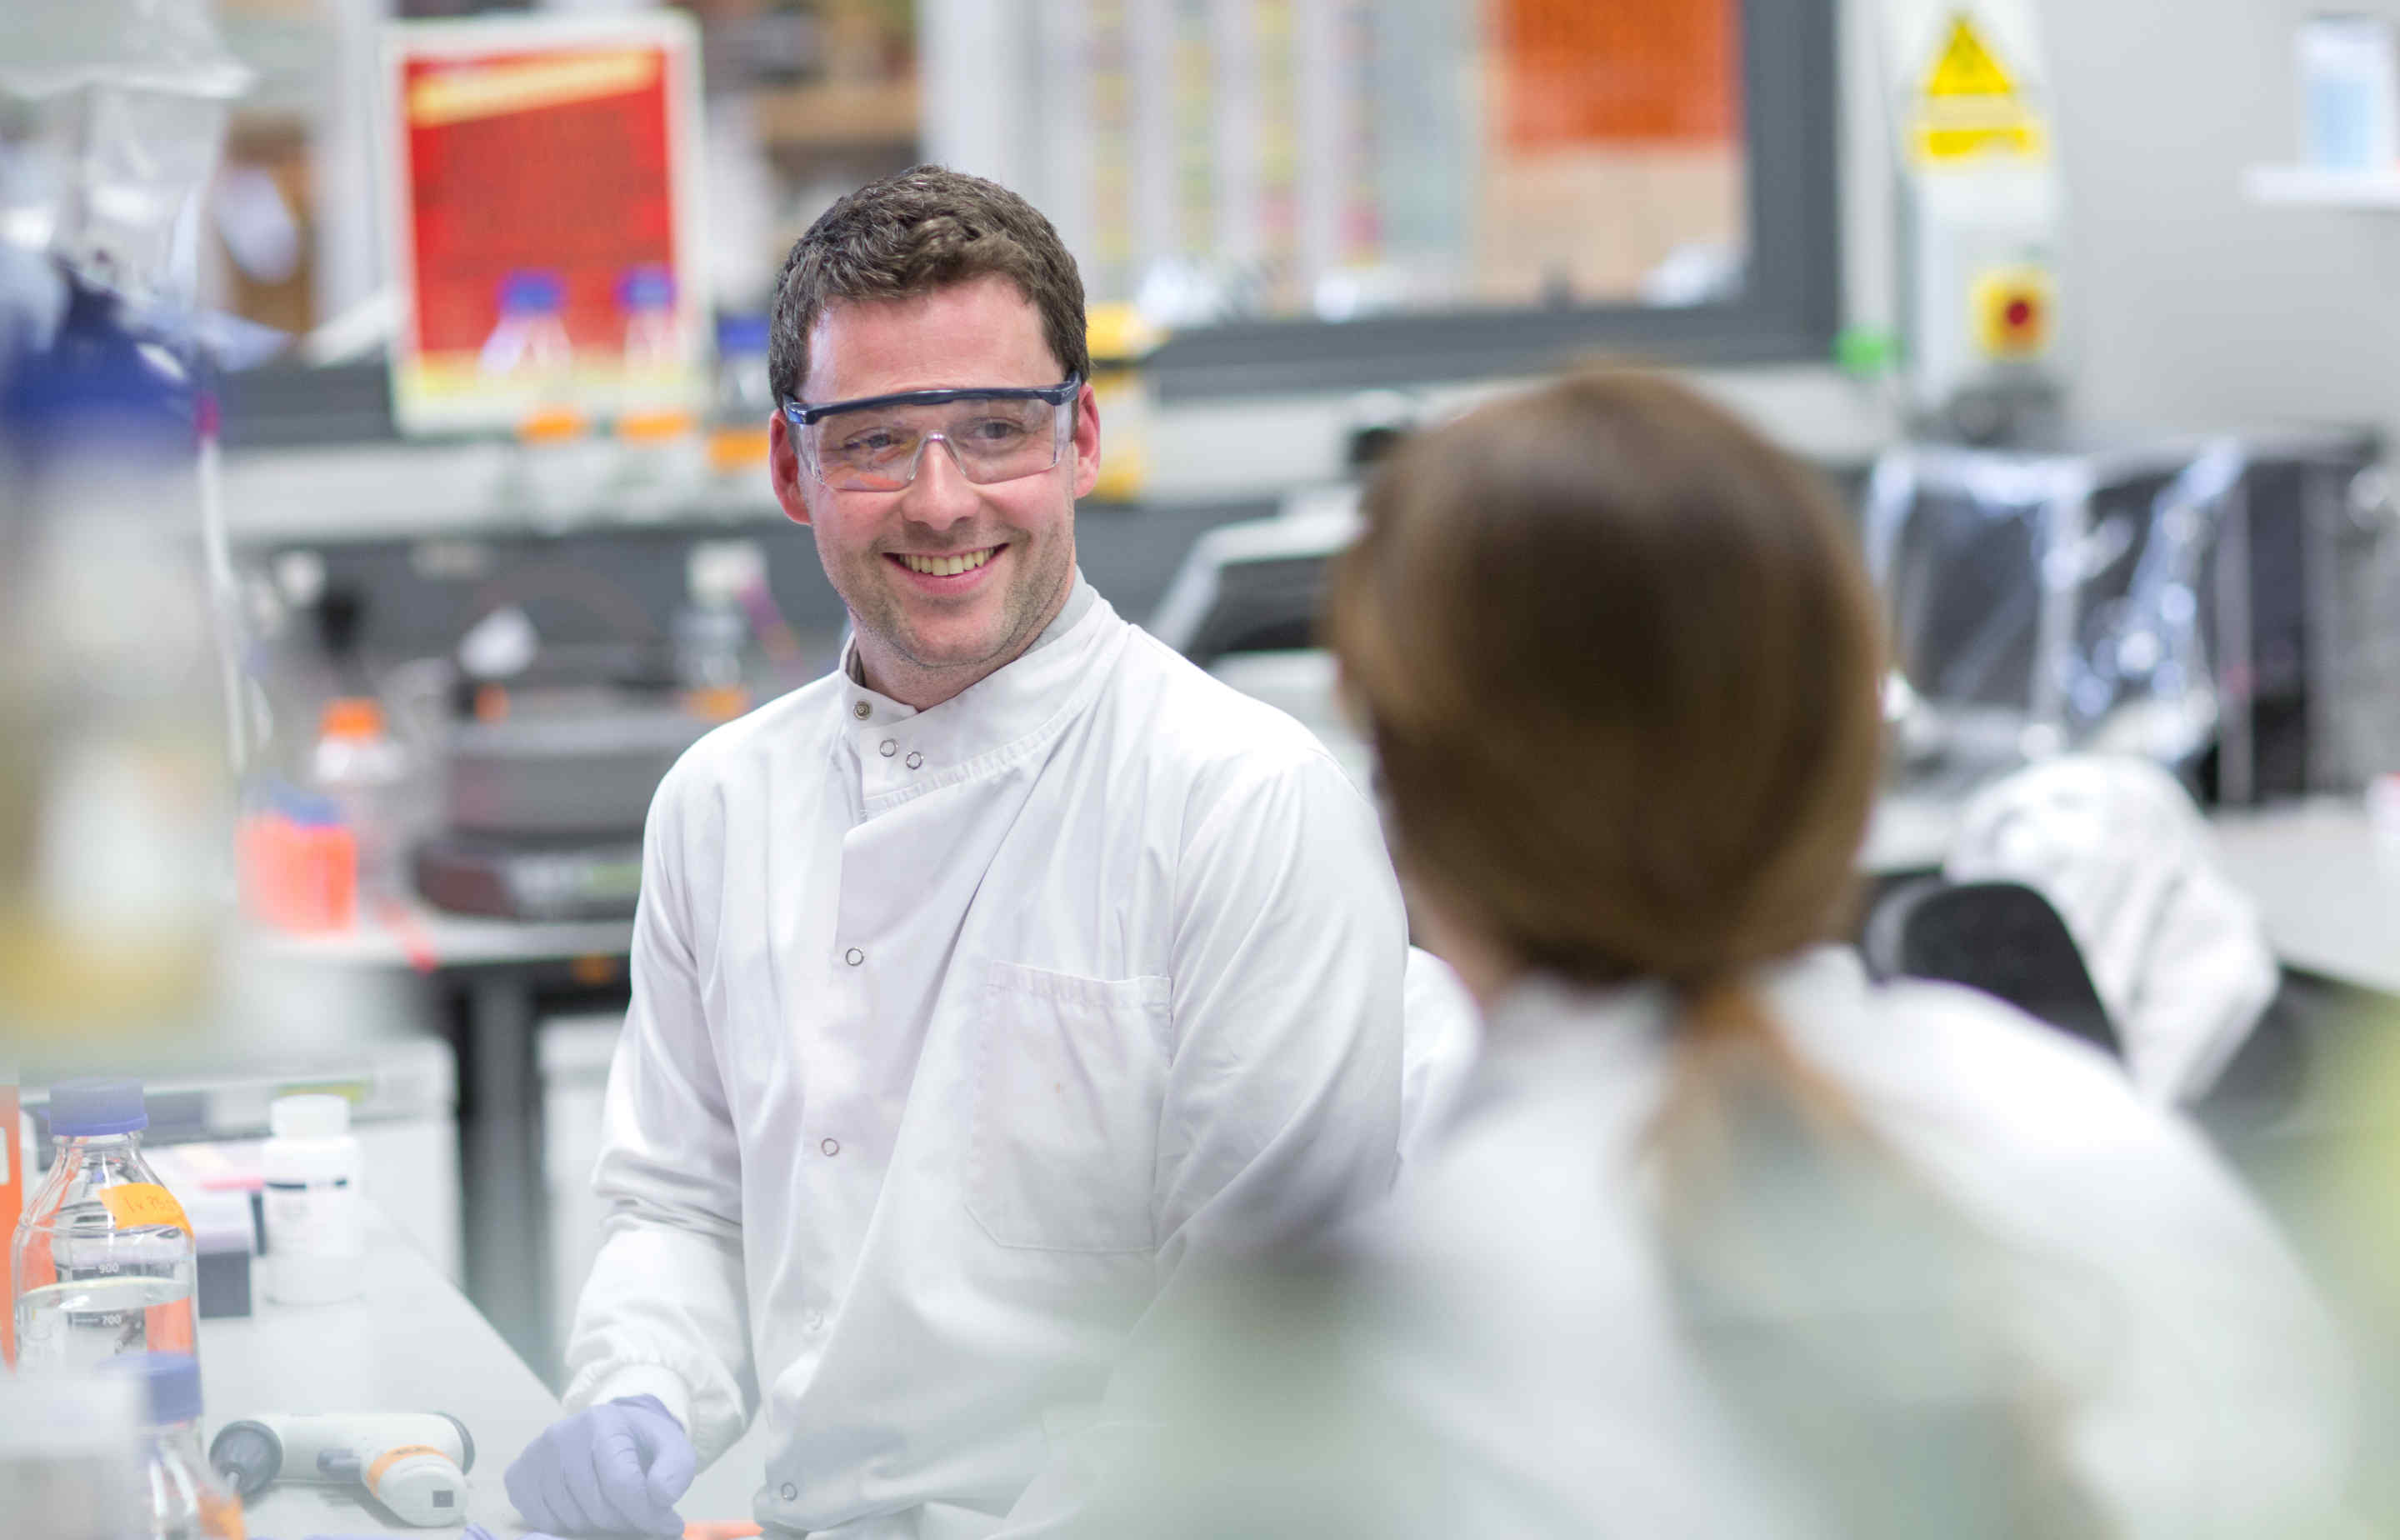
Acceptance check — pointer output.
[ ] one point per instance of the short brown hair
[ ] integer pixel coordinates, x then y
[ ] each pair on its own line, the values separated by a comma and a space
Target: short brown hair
926, 228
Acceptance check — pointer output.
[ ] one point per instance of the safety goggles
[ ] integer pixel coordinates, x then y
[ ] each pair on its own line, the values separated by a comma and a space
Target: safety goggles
873, 444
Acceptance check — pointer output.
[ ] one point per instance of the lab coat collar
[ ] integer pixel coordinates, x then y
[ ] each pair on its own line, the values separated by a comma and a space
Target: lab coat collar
1539, 1011
1547, 1033
902, 753
1544, 1025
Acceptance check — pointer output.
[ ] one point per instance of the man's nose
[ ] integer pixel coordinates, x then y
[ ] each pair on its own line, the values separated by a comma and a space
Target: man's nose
941, 495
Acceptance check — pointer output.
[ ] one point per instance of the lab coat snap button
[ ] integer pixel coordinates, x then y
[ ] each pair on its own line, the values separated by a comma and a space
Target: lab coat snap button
790, 1492
890, 747
831, 1147
916, 761
860, 709
854, 957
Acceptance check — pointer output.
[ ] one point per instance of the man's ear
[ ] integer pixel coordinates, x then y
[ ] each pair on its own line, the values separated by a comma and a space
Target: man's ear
783, 470
1087, 442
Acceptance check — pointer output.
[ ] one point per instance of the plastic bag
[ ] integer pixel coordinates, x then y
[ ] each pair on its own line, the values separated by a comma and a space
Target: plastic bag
2044, 603
127, 108
2177, 952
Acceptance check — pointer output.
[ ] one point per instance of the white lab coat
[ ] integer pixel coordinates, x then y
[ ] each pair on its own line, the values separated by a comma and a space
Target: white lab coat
1440, 1032
1502, 1353
955, 1035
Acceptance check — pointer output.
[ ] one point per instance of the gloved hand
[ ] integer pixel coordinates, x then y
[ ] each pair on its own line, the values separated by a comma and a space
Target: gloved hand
472, 1532
608, 1469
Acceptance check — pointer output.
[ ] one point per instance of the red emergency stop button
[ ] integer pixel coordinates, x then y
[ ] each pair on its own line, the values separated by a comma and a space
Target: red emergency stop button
2013, 310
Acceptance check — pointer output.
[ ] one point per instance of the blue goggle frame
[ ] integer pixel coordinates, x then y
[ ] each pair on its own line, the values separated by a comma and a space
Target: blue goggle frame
803, 415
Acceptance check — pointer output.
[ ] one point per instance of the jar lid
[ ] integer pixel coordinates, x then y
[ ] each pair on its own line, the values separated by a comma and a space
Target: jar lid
88, 1109
309, 1117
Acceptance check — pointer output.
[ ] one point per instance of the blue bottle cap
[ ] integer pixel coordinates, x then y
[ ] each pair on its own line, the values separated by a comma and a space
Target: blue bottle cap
88, 1109
737, 334
171, 1384
647, 287
309, 809
532, 292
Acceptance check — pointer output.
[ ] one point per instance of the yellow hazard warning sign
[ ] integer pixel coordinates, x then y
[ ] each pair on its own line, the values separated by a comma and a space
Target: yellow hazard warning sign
1966, 66
1972, 106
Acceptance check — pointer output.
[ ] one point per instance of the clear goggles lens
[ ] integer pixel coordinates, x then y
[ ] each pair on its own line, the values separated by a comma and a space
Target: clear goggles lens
875, 446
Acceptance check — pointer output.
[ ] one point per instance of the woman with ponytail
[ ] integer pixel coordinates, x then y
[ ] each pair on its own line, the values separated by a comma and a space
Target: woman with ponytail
1724, 1239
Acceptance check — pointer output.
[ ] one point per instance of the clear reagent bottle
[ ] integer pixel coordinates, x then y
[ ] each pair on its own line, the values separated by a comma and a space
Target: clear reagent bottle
103, 1259
365, 771
184, 1499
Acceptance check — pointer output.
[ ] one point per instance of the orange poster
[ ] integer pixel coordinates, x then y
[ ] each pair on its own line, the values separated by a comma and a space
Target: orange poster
1576, 75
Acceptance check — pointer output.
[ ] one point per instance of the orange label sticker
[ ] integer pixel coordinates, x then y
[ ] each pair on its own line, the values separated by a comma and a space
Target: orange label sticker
144, 1203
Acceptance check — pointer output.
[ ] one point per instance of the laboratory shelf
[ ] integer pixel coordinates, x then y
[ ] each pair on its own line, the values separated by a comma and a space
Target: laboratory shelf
839, 114
2308, 187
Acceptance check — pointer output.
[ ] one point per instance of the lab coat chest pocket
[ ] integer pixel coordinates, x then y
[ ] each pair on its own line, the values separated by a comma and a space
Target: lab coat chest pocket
1071, 1074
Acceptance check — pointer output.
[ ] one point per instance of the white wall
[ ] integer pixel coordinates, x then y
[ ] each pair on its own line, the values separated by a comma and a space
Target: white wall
2193, 309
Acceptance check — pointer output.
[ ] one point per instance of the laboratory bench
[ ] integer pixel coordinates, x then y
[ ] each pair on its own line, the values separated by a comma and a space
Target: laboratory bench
486, 982
2328, 891
410, 1342
2329, 895
2326, 886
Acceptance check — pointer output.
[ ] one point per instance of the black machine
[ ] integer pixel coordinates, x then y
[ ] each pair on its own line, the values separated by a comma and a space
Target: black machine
2032, 588
545, 804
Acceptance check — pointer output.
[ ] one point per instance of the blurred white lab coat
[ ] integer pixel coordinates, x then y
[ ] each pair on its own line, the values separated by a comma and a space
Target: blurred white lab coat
1505, 1354
956, 1035
1437, 1042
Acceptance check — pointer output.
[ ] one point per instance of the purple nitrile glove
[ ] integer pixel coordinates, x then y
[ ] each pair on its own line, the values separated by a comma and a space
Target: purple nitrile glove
610, 1468
472, 1532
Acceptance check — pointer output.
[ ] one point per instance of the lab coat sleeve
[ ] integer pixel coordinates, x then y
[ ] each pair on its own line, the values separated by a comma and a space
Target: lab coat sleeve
664, 1311
2224, 1404
1283, 1103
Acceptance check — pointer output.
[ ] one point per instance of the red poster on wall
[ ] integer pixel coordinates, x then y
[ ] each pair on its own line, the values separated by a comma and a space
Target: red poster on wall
545, 219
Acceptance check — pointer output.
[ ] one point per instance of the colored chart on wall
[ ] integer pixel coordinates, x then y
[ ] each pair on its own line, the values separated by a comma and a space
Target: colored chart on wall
544, 225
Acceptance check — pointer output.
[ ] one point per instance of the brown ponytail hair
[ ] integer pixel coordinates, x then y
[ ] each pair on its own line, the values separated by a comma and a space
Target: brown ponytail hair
1622, 663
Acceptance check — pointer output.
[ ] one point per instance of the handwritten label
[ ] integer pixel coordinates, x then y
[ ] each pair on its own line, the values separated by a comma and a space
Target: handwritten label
144, 1203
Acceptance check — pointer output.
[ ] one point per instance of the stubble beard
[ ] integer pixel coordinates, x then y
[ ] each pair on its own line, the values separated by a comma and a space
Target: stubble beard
1024, 609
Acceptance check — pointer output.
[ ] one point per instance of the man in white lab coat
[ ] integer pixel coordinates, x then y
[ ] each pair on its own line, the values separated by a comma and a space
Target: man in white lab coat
979, 988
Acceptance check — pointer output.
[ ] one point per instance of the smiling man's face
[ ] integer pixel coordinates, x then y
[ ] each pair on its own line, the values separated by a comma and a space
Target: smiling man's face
927, 629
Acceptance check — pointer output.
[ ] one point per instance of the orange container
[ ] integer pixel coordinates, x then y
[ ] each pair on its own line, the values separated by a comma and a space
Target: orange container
12, 1208
297, 876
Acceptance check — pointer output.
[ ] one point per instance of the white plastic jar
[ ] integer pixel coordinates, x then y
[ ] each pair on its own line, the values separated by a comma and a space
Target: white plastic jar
316, 1229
